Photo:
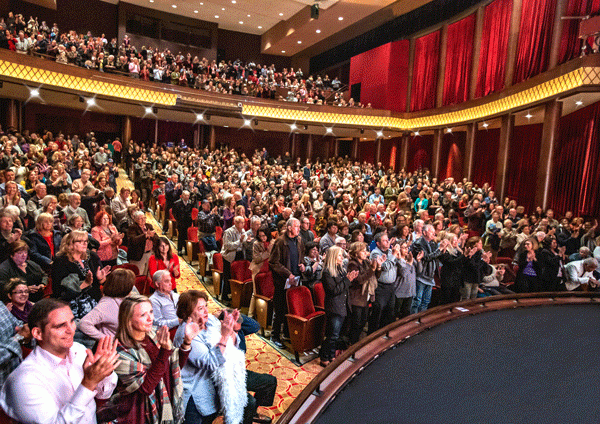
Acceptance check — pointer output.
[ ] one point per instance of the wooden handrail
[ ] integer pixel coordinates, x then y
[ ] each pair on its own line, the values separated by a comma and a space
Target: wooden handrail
329, 382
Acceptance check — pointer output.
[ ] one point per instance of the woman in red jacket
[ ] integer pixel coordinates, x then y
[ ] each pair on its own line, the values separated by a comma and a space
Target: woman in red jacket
164, 258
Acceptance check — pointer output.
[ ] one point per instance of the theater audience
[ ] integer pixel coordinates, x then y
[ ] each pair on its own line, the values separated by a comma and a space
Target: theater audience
141, 238
18, 295
164, 258
362, 289
19, 266
164, 300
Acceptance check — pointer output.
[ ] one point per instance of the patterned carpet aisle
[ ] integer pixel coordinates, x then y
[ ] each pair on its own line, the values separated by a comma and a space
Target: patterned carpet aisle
260, 356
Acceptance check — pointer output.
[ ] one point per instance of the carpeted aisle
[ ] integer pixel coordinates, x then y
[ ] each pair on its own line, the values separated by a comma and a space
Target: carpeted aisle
260, 356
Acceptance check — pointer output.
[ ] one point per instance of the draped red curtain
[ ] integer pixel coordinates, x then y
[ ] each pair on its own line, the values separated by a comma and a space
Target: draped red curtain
524, 156
494, 47
459, 56
577, 164
142, 130
419, 153
173, 132
425, 72
535, 38
570, 44
485, 156
451, 159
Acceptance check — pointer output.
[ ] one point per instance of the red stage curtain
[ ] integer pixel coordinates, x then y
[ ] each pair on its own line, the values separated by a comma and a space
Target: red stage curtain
524, 156
459, 56
142, 130
494, 47
577, 163
570, 44
451, 159
419, 153
366, 151
425, 72
535, 37
485, 156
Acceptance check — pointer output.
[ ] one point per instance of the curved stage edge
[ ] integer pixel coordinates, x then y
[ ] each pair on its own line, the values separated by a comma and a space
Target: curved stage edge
321, 393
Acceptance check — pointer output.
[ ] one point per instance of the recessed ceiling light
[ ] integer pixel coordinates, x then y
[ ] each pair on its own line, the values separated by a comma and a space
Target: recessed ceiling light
91, 101
379, 133
199, 117
283, 51
579, 103
529, 115
233, 1
226, 126
174, 6
485, 125
299, 42
217, 16
223, 8
328, 130
293, 127
201, 4
241, 22
259, 27
247, 122
340, 18
148, 109
195, 11
248, 15
151, 1
449, 130
34, 92
417, 133
318, 31
281, 14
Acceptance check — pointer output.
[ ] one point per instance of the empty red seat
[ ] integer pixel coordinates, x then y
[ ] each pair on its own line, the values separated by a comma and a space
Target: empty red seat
307, 326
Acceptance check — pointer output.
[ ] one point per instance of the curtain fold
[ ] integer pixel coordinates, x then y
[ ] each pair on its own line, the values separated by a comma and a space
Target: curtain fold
570, 44
577, 163
452, 151
535, 38
494, 47
425, 72
459, 57
524, 154
486, 154
419, 153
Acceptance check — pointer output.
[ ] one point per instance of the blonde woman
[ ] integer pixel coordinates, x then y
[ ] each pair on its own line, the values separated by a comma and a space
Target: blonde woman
336, 282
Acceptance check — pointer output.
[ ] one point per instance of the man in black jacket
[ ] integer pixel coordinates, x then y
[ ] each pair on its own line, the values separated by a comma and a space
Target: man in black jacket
182, 210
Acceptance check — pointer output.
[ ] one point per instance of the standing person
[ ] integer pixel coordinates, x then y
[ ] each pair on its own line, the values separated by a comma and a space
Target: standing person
232, 250
286, 264
140, 239
150, 387
336, 282
426, 267
530, 270
173, 190
362, 289
182, 210
406, 287
476, 267
117, 146
59, 380
108, 237
164, 258
382, 310
451, 273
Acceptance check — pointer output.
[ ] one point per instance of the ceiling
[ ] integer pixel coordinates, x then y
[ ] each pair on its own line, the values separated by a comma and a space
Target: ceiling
288, 21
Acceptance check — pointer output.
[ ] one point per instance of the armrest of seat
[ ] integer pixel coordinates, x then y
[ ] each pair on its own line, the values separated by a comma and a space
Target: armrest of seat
296, 319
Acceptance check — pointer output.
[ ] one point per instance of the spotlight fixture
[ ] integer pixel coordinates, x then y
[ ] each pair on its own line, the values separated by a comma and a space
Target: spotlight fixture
148, 109
449, 130
34, 92
199, 117
529, 115
256, 122
379, 134
91, 101
207, 117
329, 130
305, 127
362, 130
293, 127
247, 122
417, 133
485, 125
81, 99
154, 109
579, 103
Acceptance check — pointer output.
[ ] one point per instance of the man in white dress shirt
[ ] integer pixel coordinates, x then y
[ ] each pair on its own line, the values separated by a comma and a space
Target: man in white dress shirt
58, 381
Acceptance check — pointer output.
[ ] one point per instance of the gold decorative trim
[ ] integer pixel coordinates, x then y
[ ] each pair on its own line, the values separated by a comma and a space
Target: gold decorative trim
57, 79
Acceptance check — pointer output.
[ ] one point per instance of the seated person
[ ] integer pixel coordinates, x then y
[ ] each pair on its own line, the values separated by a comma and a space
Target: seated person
492, 284
12, 332
20, 266
164, 300
18, 293
58, 381
44, 241
580, 274
8, 234
103, 320
214, 379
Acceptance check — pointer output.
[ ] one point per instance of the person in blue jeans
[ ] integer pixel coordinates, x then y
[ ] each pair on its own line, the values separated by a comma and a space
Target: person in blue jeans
426, 267
336, 282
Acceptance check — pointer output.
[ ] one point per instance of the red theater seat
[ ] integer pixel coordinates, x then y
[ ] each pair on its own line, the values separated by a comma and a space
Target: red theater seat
307, 326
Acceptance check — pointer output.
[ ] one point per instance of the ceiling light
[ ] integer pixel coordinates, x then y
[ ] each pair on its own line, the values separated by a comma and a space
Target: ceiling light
529, 115
299, 42
151, 1
248, 15
91, 102
293, 127
449, 130
174, 6
259, 27
233, 1
485, 125
199, 117
34, 92
283, 51
318, 31
223, 8
340, 18
579, 103
417, 133
225, 126
201, 4
281, 14
217, 16
241, 22
329, 130
379, 133
148, 109
247, 122
195, 11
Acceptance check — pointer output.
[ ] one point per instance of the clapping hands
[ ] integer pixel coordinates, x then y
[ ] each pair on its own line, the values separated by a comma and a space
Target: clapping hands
99, 365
